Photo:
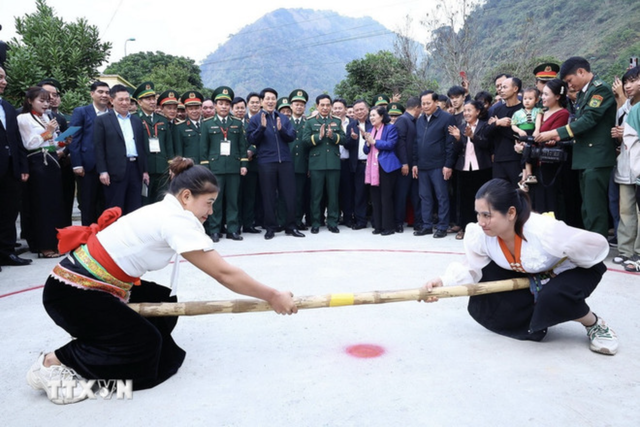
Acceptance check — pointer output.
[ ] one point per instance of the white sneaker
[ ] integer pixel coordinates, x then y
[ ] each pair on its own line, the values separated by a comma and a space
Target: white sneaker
60, 382
603, 339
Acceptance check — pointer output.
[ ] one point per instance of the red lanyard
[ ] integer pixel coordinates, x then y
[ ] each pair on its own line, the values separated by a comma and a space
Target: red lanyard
155, 128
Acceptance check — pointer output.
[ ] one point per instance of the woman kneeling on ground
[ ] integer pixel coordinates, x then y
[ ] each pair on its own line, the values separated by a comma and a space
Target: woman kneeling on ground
87, 292
564, 265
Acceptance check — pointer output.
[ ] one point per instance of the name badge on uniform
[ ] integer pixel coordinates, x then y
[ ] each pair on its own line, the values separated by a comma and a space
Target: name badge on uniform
154, 145
225, 148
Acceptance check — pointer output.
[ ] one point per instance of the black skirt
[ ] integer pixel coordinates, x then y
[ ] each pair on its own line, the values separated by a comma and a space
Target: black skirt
514, 314
111, 340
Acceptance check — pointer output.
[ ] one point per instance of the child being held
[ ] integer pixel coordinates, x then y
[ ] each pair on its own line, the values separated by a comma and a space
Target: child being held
524, 123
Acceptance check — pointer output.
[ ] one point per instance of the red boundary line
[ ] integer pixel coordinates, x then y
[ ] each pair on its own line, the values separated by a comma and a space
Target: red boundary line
316, 251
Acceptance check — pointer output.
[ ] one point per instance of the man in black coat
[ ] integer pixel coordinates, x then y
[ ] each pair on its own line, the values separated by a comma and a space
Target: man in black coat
406, 185
121, 161
13, 170
358, 160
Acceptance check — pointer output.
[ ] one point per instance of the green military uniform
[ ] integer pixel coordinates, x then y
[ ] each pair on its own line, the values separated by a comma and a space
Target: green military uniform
224, 145
158, 142
158, 146
324, 166
300, 157
186, 134
249, 187
594, 153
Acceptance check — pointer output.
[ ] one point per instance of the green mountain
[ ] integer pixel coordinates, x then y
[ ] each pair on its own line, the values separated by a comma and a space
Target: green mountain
293, 48
605, 32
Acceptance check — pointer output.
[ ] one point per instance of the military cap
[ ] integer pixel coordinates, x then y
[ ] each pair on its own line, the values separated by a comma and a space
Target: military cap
299, 95
546, 71
181, 106
144, 90
168, 97
381, 100
51, 81
283, 103
224, 93
192, 97
396, 109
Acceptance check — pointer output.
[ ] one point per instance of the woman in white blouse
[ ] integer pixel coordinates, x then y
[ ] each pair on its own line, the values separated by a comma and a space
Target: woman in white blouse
44, 199
86, 291
564, 265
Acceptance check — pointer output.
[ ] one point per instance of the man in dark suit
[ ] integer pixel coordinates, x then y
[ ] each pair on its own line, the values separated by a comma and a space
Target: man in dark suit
120, 153
271, 132
13, 170
358, 160
83, 159
406, 185
433, 163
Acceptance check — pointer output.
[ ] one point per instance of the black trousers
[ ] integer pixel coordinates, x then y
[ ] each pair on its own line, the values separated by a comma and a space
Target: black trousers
514, 314
10, 193
469, 182
91, 200
360, 193
277, 177
111, 340
382, 201
346, 191
127, 193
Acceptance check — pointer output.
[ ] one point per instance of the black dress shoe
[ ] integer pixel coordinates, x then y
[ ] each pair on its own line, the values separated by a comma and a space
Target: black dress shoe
399, 229
14, 259
423, 232
315, 230
359, 226
251, 230
375, 231
269, 235
234, 236
294, 232
215, 237
387, 233
333, 229
279, 229
440, 234
302, 227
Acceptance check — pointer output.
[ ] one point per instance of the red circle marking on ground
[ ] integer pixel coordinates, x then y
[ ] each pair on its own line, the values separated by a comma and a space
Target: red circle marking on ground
365, 350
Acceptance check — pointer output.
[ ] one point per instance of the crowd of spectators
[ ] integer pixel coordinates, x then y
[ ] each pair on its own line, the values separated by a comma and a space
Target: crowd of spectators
416, 160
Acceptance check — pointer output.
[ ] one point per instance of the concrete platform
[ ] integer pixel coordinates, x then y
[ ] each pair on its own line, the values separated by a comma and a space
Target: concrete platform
439, 368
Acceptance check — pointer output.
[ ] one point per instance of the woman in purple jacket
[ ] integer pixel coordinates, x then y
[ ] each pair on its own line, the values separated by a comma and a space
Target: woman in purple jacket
382, 169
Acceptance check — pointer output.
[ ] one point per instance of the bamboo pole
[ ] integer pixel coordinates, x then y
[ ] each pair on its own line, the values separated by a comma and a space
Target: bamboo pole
196, 308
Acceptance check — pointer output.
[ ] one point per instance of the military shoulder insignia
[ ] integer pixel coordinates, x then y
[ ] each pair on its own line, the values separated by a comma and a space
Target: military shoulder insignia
595, 101
178, 121
597, 83
209, 118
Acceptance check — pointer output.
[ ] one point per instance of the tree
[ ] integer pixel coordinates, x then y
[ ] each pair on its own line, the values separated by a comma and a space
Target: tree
48, 47
379, 73
165, 71
453, 47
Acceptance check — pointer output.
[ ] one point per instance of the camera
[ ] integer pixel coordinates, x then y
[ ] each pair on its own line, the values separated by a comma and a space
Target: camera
533, 151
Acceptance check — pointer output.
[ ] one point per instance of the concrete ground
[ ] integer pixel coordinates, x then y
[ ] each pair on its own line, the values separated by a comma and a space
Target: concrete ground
439, 368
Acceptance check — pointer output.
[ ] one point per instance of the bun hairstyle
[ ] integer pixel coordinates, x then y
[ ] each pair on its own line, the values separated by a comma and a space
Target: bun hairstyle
501, 196
185, 175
